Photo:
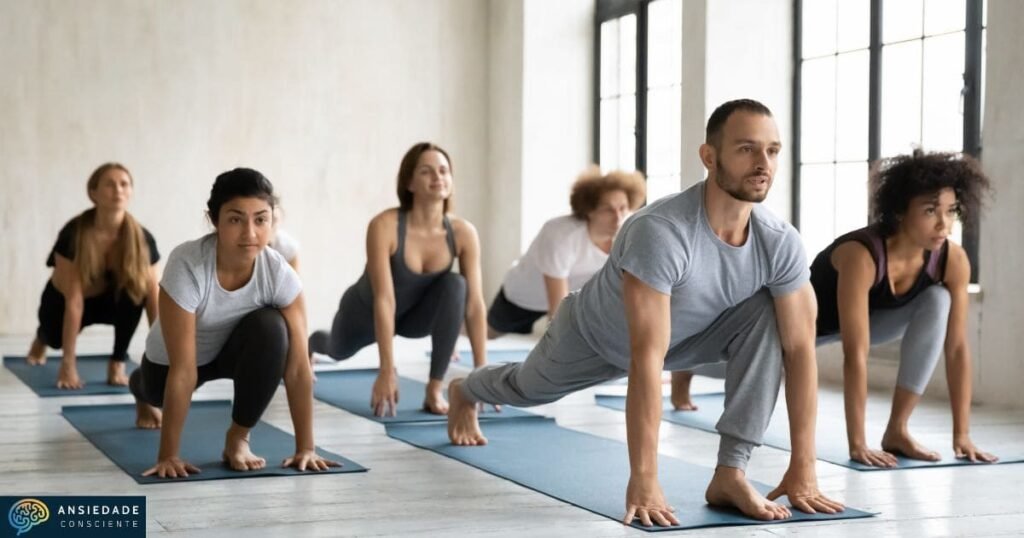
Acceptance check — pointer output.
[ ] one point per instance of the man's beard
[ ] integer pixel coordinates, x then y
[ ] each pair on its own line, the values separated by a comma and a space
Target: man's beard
734, 187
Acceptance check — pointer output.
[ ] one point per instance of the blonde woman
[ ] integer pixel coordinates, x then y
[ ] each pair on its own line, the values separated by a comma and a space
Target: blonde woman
104, 271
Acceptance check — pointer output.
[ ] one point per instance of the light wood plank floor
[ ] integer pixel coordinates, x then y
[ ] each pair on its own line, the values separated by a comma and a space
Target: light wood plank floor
412, 492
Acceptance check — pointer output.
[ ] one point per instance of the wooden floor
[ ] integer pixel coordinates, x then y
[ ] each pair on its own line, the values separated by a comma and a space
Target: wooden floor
413, 492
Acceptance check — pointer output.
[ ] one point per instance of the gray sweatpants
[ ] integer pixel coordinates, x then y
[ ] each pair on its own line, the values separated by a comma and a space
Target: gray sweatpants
922, 325
745, 336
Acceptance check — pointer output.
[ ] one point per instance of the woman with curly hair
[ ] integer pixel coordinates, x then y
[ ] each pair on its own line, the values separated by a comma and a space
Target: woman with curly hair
567, 251
901, 277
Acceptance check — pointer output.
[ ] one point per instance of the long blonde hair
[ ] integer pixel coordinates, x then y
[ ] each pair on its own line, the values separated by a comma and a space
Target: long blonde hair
130, 250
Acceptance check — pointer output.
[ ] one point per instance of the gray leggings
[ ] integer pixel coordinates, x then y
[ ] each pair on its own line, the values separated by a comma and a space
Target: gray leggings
438, 313
745, 336
922, 325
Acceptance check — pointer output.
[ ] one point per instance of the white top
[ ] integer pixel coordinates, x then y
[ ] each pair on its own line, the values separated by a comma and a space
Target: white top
286, 244
562, 249
190, 278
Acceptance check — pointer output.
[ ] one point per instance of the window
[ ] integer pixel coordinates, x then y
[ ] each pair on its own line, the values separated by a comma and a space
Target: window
878, 78
639, 45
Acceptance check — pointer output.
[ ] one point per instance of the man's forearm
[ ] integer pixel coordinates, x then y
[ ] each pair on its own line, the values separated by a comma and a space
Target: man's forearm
643, 415
802, 401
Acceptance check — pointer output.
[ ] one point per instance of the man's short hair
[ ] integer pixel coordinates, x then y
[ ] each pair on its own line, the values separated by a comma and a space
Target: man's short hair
713, 132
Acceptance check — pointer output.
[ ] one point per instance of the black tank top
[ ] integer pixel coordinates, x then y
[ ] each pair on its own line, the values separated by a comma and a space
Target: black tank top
409, 285
825, 278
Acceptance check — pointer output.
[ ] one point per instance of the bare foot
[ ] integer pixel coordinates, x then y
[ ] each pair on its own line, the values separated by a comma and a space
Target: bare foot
147, 417
36, 353
115, 374
901, 443
463, 428
730, 488
434, 401
237, 454
681, 391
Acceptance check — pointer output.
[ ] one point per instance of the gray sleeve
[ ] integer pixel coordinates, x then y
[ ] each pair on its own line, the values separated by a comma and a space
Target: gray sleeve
287, 284
652, 250
789, 265
182, 275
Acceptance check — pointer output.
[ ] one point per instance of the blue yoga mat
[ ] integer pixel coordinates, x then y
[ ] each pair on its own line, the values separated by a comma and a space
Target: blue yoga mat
111, 428
585, 470
43, 379
831, 435
350, 390
493, 356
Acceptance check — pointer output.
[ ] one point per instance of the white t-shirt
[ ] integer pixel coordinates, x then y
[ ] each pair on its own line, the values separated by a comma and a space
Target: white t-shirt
190, 278
286, 244
562, 249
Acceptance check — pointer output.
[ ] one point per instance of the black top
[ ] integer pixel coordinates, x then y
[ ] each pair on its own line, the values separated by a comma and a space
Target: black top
65, 245
825, 278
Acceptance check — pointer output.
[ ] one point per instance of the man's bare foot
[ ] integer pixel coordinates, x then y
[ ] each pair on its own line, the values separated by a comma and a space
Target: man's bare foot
36, 353
730, 488
901, 443
147, 417
115, 374
433, 401
681, 391
463, 428
237, 454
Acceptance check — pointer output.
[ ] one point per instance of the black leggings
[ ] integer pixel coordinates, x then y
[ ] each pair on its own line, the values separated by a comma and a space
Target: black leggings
108, 308
438, 313
254, 357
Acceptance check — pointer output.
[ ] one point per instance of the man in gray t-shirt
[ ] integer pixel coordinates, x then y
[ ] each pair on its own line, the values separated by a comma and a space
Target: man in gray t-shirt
700, 277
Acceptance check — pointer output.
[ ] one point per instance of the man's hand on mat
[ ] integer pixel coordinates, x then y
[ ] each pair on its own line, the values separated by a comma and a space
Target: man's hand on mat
384, 399
874, 458
964, 449
67, 377
800, 485
173, 467
645, 501
309, 459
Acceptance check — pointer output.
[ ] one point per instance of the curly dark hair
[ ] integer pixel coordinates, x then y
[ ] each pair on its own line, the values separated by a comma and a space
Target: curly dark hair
899, 179
592, 184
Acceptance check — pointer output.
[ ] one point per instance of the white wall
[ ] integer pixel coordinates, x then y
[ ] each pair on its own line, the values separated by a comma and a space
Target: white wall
749, 54
322, 96
1001, 364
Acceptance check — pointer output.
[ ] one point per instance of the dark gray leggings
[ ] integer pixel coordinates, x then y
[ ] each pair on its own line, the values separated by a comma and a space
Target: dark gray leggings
438, 312
253, 357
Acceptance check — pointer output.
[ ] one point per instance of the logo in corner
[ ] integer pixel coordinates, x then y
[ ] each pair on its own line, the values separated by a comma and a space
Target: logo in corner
28, 513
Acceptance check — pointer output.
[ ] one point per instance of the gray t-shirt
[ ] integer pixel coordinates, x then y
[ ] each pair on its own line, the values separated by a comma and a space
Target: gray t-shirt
670, 246
190, 278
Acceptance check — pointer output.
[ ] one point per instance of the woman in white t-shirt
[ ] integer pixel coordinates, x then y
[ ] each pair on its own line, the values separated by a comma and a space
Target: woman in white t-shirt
567, 251
229, 308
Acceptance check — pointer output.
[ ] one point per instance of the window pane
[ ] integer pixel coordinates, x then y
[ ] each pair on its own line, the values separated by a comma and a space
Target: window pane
851, 197
984, 53
901, 98
817, 206
819, 28
942, 127
818, 110
609, 58
627, 132
664, 131
661, 186
627, 54
852, 106
609, 157
665, 43
941, 16
853, 30
901, 19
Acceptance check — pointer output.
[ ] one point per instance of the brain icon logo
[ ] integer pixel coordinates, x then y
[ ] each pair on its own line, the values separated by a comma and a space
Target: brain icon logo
28, 513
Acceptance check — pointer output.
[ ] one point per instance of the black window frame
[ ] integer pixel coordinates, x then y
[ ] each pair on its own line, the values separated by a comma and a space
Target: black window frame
608, 10
971, 92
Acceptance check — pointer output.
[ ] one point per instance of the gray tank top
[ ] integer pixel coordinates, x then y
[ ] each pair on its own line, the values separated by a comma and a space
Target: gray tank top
409, 285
